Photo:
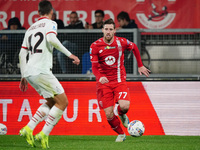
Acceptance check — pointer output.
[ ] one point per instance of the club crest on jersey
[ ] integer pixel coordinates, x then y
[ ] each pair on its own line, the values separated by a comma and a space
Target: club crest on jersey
110, 47
110, 60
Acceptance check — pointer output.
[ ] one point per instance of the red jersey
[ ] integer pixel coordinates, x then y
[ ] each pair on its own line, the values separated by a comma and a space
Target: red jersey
110, 58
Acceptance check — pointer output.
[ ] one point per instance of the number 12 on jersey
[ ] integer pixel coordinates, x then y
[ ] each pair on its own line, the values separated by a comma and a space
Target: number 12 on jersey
34, 48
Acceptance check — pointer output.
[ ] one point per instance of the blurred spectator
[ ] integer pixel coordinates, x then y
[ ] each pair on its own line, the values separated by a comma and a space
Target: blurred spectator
98, 24
58, 21
56, 52
99, 16
14, 24
124, 21
64, 63
10, 44
75, 23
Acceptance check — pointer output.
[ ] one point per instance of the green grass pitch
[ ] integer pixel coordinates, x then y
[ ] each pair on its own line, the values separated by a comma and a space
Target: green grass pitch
15, 142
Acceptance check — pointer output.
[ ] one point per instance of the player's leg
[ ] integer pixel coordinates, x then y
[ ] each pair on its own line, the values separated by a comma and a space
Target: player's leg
55, 112
38, 117
105, 98
54, 116
122, 109
49, 87
123, 99
41, 114
114, 122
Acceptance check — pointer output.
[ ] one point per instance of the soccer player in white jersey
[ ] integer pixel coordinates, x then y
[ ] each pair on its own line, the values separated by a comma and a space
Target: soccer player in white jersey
107, 57
38, 42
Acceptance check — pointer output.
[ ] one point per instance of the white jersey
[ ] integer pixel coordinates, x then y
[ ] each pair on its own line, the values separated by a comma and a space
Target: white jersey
40, 50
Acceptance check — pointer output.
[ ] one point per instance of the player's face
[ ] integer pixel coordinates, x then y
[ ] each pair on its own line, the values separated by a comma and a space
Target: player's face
108, 32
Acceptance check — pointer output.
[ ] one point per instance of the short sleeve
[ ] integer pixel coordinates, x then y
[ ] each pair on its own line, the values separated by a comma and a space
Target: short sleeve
51, 27
129, 45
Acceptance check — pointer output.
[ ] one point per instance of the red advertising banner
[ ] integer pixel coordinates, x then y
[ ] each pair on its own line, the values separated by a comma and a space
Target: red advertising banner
151, 14
82, 116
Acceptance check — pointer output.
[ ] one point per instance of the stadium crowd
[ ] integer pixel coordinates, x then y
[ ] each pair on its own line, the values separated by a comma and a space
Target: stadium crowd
10, 43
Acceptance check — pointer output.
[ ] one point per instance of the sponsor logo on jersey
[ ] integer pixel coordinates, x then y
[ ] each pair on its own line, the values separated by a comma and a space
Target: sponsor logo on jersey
110, 47
110, 60
101, 51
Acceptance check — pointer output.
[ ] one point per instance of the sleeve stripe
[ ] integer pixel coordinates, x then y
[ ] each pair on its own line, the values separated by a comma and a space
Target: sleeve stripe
51, 32
24, 47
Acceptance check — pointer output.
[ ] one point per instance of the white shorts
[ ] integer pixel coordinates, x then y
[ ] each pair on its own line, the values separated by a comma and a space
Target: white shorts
47, 85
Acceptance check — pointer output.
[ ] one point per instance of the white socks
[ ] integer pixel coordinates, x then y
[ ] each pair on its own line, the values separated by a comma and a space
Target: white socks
39, 116
53, 117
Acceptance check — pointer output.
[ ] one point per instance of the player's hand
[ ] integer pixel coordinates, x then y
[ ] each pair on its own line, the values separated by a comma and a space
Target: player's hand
103, 80
144, 70
76, 60
23, 85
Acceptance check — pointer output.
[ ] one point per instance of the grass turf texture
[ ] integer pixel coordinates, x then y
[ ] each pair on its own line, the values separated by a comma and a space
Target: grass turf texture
15, 142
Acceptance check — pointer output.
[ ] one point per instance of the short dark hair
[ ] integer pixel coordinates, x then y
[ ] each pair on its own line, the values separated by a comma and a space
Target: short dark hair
74, 12
124, 15
44, 7
99, 11
109, 21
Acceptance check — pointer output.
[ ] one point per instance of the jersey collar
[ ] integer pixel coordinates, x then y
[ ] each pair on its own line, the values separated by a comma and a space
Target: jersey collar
111, 42
43, 18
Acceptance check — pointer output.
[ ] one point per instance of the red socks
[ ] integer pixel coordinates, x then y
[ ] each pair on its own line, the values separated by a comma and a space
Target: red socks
115, 124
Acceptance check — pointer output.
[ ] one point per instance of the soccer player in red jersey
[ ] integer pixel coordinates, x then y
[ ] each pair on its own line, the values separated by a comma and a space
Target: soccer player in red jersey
107, 57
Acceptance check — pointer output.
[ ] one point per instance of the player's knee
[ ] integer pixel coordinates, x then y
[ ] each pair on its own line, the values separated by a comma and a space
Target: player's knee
125, 108
109, 114
62, 101
65, 103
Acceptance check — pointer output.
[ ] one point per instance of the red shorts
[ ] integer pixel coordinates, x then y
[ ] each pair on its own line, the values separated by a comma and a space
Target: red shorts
108, 94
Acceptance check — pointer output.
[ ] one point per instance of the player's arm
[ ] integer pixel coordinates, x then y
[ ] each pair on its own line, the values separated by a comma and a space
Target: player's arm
141, 69
101, 78
22, 60
95, 66
53, 40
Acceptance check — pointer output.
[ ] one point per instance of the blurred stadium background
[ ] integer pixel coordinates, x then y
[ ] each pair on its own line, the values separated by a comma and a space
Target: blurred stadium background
171, 54
167, 102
